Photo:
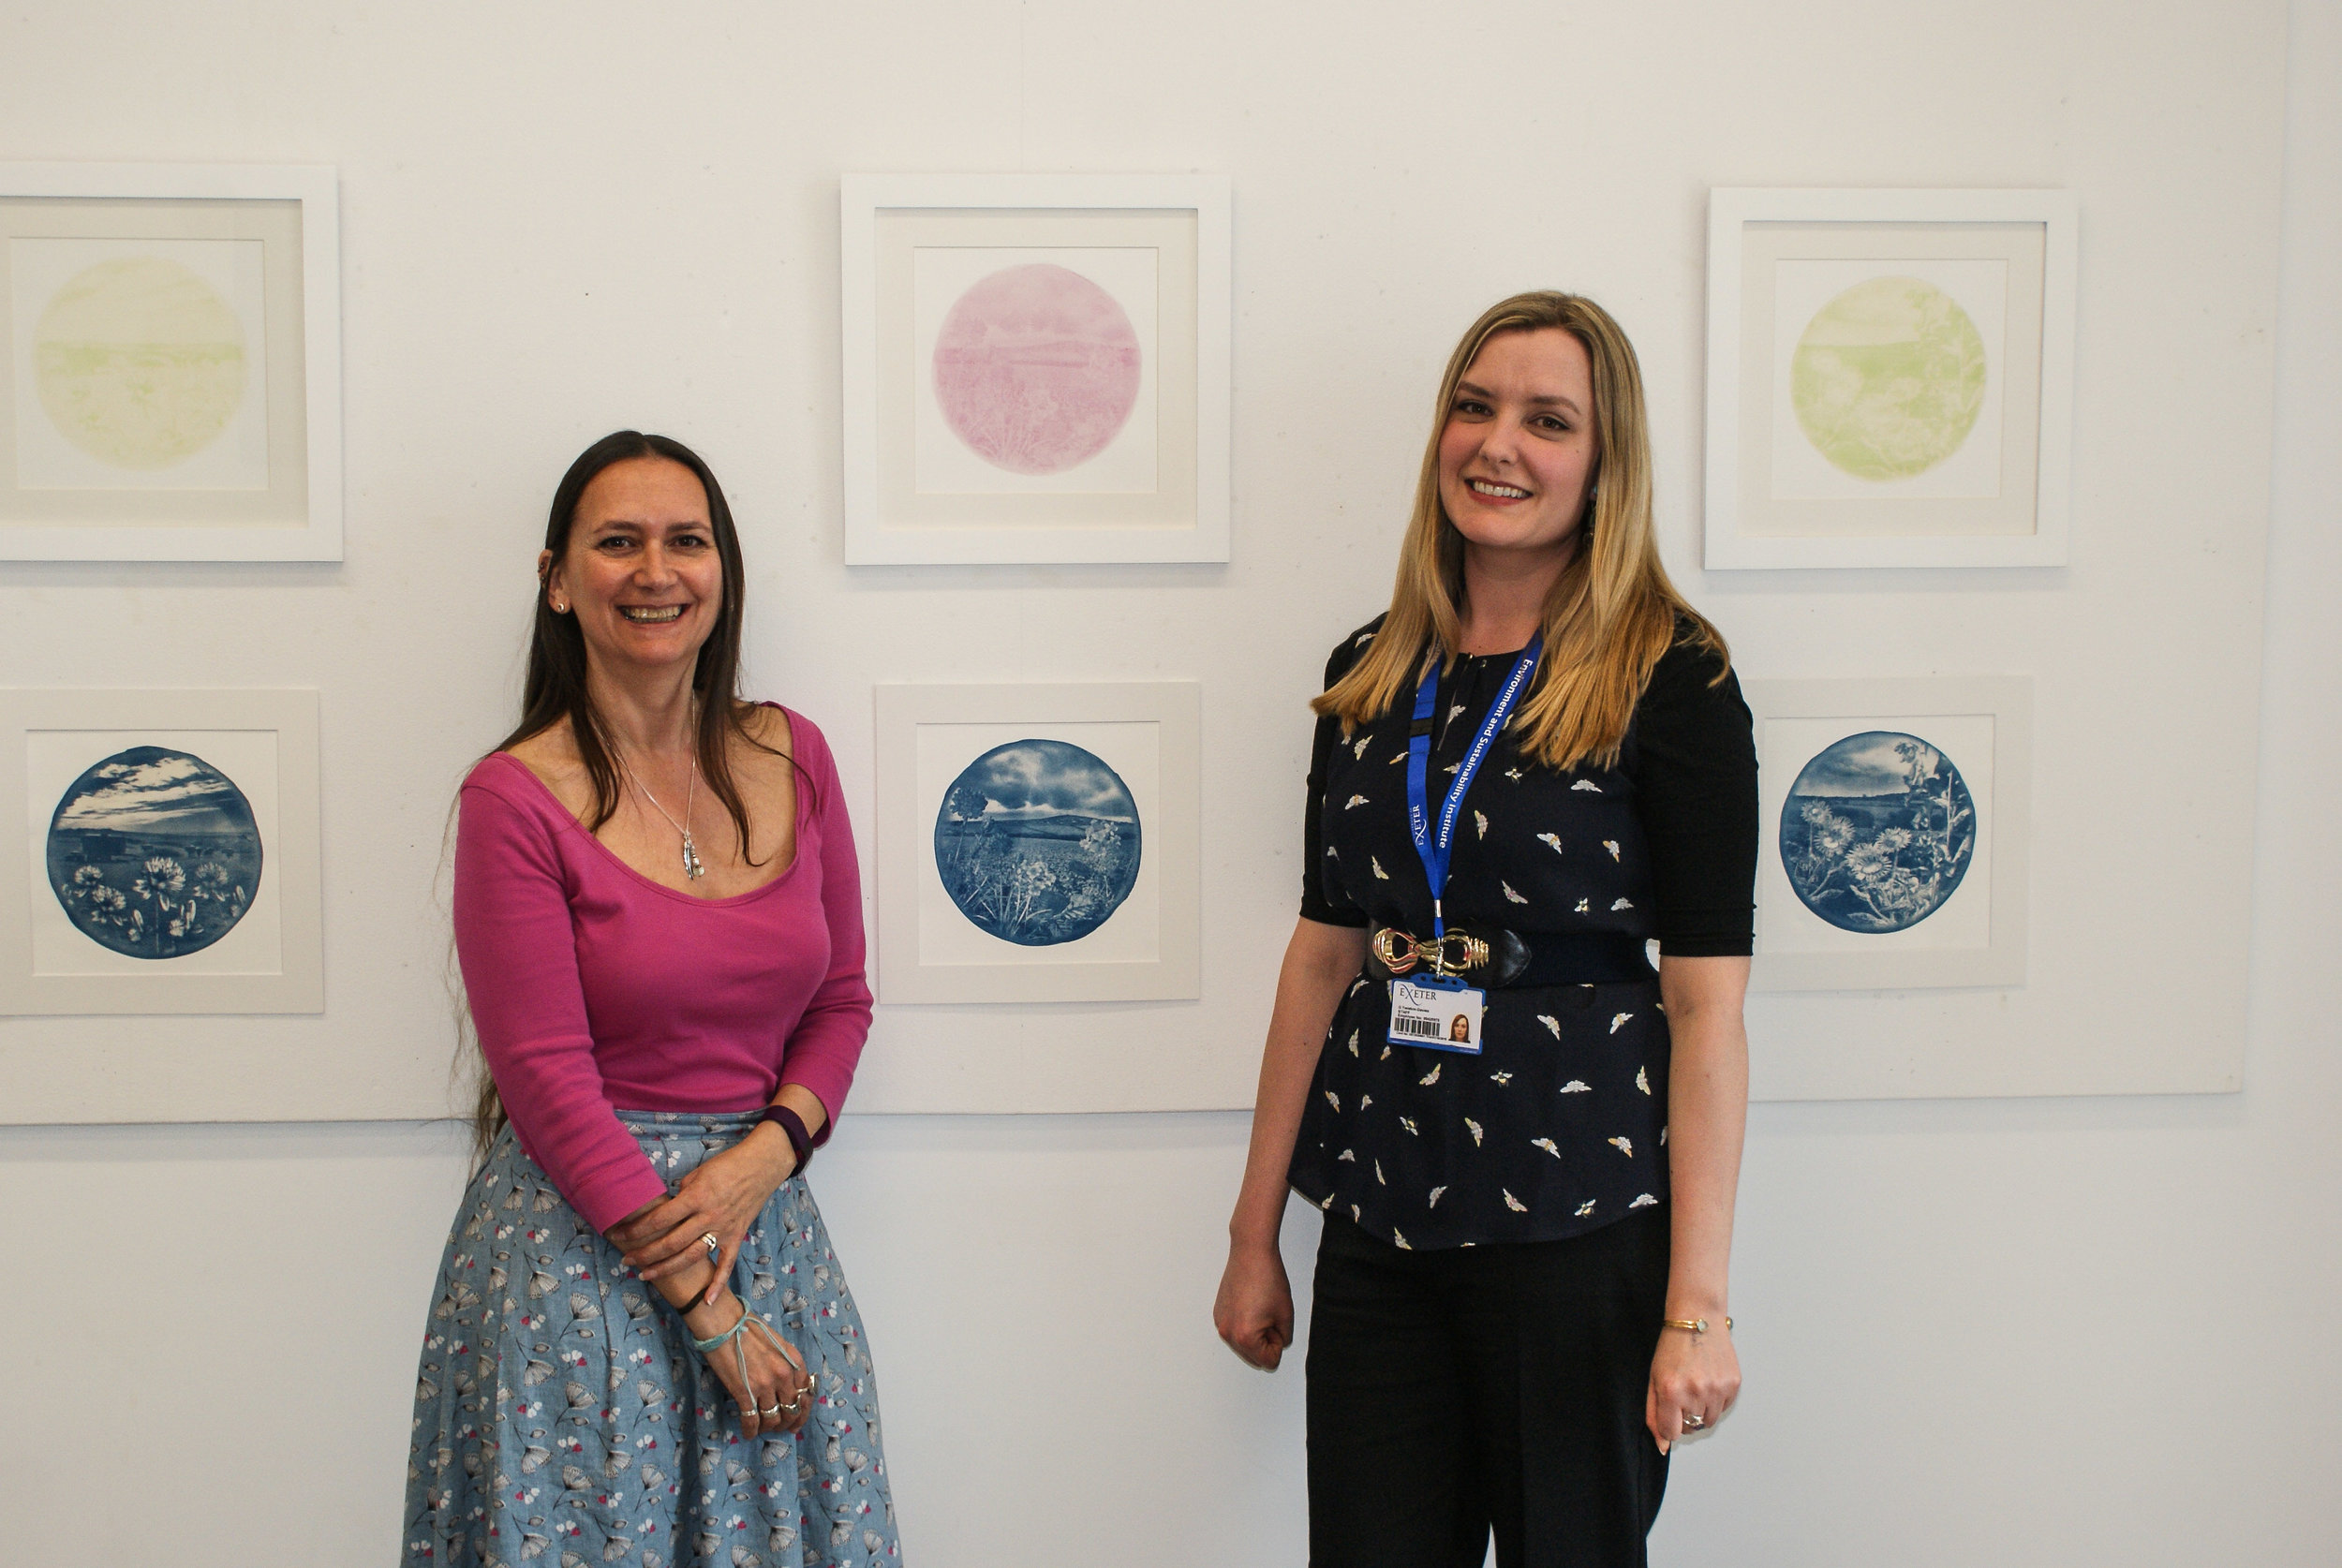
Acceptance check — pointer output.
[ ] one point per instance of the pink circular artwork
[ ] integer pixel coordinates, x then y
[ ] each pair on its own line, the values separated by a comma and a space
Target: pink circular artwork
1036, 368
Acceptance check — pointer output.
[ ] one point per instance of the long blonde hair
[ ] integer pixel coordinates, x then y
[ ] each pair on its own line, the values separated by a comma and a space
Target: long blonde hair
1610, 615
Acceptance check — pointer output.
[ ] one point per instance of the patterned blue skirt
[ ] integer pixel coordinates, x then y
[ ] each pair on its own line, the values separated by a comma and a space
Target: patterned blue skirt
561, 1413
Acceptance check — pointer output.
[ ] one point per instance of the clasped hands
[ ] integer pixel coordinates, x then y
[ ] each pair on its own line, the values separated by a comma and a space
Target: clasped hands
723, 1196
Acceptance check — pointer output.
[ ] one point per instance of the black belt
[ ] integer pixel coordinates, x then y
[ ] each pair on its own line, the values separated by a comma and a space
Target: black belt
1493, 959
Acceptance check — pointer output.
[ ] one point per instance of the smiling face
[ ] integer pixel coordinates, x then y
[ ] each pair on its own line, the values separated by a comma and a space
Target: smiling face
641, 570
1517, 448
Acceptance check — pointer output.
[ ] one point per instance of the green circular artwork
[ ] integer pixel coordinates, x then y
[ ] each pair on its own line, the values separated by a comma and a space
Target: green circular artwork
1888, 378
139, 362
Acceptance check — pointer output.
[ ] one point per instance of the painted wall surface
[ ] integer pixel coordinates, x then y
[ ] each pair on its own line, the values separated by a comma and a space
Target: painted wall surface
2030, 1332
558, 220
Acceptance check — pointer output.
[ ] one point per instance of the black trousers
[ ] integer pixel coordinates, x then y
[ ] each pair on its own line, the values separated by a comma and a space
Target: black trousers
1500, 1388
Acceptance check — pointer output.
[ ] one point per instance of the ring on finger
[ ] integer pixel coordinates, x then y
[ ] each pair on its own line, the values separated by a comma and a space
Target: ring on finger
715, 1248
1693, 1423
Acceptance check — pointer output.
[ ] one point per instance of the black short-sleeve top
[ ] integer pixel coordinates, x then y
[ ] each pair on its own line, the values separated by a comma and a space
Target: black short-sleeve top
1559, 1124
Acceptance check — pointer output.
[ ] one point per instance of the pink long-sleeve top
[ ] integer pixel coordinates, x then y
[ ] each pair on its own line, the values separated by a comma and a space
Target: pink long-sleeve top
593, 988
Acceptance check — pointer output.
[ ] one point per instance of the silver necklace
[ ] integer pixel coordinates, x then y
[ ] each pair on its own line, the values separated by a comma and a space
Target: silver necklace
694, 868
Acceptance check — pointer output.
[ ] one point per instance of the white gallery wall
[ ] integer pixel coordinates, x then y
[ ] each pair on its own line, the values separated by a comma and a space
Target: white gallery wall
2007, 1331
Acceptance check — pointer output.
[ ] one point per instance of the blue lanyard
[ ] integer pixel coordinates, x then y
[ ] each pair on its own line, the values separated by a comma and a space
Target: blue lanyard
1430, 846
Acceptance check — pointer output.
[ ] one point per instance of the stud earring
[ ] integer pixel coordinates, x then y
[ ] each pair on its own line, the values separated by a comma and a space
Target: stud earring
561, 606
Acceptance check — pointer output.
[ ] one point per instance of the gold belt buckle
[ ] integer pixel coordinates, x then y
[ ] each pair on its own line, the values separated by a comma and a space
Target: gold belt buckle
1447, 956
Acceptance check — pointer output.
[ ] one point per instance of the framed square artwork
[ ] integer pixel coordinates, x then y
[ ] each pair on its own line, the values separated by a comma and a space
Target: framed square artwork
1894, 831
1039, 843
1036, 367
1890, 378
173, 340
161, 852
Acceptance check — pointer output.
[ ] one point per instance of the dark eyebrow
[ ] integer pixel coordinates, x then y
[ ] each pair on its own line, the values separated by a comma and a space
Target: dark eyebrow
1540, 401
653, 527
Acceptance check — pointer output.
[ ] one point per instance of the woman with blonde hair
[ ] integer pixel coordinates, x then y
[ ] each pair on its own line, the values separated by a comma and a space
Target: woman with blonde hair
1534, 762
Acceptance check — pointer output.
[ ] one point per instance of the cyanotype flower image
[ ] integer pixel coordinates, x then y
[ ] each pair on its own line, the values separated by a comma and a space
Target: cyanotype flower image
154, 853
1877, 831
1038, 842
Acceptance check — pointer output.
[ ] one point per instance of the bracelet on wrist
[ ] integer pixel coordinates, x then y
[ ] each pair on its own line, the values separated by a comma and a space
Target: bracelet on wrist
1693, 1326
792, 1127
718, 1340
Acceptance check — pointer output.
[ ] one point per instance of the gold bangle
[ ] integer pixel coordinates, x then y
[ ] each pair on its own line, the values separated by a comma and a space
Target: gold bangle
1690, 1325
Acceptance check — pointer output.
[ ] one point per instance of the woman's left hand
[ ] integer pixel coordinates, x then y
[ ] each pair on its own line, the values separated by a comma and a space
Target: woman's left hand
721, 1196
1692, 1376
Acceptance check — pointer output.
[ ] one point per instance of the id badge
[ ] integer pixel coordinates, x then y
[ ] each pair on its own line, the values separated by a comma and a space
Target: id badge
1437, 1014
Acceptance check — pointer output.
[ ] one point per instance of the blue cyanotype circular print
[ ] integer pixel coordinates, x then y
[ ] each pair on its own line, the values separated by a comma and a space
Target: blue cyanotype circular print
1038, 842
154, 853
1877, 831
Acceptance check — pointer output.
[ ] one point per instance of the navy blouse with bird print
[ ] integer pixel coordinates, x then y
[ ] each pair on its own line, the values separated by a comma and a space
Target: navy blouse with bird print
1559, 1124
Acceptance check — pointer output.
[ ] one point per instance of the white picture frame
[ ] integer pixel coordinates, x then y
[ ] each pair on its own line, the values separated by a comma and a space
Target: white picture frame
1118, 920
1890, 378
170, 363
1840, 907
168, 840
1036, 367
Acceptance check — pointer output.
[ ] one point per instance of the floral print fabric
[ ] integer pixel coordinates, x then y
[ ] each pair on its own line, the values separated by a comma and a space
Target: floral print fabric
562, 1415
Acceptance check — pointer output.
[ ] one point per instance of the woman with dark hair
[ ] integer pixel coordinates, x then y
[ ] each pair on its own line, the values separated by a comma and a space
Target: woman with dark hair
638, 1312
1534, 762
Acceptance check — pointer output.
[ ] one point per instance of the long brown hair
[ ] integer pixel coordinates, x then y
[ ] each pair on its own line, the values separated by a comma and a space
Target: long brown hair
556, 689
1612, 613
